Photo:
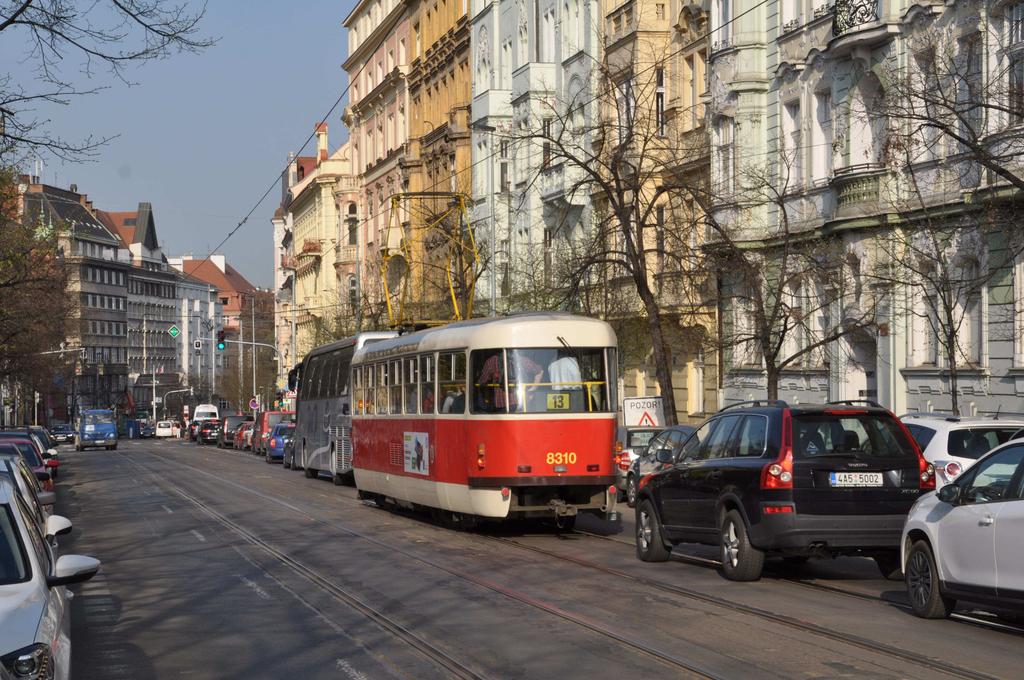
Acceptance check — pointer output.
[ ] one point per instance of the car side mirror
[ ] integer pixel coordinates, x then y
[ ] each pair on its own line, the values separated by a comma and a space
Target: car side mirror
664, 456
43, 476
46, 497
949, 494
52, 453
57, 525
73, 569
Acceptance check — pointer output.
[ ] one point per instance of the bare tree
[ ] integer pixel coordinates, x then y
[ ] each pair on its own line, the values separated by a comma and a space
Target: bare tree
111, 35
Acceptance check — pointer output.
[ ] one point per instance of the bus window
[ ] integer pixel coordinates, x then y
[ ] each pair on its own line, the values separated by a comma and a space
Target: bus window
328, 384
412, 385
427, 383
451, 380
395, 386
489, 390
313, 382
382, 388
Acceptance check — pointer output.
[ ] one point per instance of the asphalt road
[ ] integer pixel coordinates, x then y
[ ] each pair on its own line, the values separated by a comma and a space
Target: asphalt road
217, 565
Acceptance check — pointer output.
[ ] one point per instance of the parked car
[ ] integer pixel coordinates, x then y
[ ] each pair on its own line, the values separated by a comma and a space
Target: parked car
953, 443
49, 456
63, 433
964, 542
647, 460
44, 468
288, 460
208, 432
14, 468
96, 428
629, 443
227, 433
279, 436
164, 428
763, 477
242, 433
147, 431
265, 422
35, 611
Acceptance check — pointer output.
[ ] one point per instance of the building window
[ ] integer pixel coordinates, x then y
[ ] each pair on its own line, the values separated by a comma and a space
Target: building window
659, 100
793, 156
821, 157
624, 95
659, 11
546, 160
725, 153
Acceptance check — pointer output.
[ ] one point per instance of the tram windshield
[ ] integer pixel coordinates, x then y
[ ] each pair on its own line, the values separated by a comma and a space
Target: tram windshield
540, 380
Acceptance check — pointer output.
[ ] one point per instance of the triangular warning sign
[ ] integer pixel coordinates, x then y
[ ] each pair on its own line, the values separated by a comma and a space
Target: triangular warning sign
646, 420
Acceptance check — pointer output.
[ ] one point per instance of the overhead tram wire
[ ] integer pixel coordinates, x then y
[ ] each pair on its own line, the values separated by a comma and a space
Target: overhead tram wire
469, 167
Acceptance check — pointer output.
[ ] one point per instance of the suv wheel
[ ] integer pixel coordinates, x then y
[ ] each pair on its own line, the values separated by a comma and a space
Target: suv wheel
740, 560
631, 491
922, 580
650, 546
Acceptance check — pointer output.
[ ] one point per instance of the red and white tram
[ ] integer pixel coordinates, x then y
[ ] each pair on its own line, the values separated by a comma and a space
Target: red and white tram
497, 418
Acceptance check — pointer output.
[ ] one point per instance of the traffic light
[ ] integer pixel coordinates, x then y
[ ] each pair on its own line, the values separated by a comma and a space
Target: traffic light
220, 340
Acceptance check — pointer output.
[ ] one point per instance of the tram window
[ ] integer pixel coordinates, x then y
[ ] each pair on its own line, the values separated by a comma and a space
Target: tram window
382, 388
395, 386
557, 380
370, 373
412, 385
489, 390
613, 379
357, 389
451, 382
427, 384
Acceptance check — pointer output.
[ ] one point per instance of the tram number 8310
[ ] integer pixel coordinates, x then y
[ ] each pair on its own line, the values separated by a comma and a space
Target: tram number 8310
561, 457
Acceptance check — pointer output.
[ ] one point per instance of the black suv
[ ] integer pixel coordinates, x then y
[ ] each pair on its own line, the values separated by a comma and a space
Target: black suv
803, 481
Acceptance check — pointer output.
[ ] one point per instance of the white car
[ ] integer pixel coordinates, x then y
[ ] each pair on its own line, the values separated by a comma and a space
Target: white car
952, 443
965, 541
34, 604
164, 428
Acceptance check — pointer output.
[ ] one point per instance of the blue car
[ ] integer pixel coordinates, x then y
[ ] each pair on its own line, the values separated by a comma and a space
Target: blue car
279, 437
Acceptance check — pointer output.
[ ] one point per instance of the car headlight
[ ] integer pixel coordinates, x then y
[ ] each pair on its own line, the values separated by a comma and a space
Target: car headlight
34, 662
110, 435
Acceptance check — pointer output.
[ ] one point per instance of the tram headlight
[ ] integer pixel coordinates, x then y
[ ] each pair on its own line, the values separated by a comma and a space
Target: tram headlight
481, 456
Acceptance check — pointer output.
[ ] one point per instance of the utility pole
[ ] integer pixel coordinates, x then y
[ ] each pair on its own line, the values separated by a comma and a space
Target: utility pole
252, 334
241, 359
145, 320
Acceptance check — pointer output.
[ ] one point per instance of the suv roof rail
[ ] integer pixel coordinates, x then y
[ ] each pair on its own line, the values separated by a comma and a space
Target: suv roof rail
755, 402
869, 402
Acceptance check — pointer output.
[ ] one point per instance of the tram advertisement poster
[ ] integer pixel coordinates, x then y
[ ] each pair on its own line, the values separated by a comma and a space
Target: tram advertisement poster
417, 458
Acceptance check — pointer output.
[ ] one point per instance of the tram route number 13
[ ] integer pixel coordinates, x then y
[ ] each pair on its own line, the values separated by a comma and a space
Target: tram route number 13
561, 457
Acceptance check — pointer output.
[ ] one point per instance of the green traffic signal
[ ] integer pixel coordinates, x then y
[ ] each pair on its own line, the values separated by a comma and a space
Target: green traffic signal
220, 345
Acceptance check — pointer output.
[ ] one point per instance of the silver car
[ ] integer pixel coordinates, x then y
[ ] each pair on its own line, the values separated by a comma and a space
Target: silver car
34, 614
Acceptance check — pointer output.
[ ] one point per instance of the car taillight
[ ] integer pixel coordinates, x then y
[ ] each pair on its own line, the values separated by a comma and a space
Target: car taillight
779, 474
926, 469
953, 469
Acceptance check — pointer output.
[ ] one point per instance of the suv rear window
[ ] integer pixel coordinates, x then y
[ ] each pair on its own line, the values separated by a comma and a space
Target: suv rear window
640, 438
867, 435
977, 441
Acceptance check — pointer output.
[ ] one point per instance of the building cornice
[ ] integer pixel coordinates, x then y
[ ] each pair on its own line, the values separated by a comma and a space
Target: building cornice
376, 37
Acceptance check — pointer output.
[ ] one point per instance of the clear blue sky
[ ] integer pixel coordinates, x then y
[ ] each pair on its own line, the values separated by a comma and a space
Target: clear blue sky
202, 136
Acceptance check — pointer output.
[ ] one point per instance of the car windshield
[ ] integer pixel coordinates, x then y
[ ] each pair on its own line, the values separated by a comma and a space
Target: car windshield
539, 380
13, 568
974, 442
94, 419
854, 435
640, 439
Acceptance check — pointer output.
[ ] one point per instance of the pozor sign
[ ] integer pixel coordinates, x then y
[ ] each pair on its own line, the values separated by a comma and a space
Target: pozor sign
642, 412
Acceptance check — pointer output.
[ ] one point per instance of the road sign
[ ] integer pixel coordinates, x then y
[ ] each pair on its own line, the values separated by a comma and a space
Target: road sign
173, 331
254, 403
198, 344
642, 412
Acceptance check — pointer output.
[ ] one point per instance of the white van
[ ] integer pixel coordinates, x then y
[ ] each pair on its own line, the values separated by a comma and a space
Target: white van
205, 412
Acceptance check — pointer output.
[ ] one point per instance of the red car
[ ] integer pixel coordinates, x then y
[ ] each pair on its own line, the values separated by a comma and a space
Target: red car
265, 422
40, 466
242, 434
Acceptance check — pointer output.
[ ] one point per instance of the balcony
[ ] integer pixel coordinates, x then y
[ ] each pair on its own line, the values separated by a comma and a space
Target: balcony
345, 254
851, 14
858, 189
288, 262
310, 248
859, 24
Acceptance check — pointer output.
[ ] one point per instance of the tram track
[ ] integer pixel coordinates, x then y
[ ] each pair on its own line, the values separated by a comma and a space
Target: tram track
387, 623
969, 619
680, 591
